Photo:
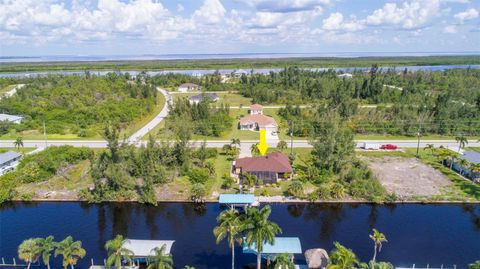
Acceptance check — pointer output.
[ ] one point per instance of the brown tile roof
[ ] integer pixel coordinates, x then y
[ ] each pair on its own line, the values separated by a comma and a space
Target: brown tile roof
274, 162
256, 107
261, 120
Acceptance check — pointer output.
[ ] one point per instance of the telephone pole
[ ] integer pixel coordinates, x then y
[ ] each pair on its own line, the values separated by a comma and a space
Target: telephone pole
291, 137
45, 134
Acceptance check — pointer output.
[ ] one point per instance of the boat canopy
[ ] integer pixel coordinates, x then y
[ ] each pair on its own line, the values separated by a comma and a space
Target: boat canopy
237, 199
145, 248
290, 245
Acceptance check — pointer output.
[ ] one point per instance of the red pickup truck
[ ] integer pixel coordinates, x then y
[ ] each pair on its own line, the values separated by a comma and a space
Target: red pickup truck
389, 146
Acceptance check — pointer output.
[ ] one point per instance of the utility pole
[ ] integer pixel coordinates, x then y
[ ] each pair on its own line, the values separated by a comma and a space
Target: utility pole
45, 134
291, 137
418, 142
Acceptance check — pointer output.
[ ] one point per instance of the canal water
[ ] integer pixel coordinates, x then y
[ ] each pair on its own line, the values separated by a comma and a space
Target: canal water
417, 234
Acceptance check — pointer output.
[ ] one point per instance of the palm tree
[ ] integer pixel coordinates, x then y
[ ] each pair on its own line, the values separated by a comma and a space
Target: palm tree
378, 238
462, 141
430, 147
229, 226
260, 230
117, 253
70, 250
18, 142
284, 261
463, 164
160, 260
29, 251
47, 245
235, 141
254, 149
342, 258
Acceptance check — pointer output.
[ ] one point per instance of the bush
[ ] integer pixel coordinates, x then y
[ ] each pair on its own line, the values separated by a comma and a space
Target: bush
227, 182
295, 188
198, 192
323, 192
198, 175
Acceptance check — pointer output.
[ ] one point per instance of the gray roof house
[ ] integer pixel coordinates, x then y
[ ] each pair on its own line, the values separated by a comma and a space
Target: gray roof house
471, 156
8, 161
200, 97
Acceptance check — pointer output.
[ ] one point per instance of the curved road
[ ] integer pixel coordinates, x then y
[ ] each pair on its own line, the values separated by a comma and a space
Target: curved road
137, 136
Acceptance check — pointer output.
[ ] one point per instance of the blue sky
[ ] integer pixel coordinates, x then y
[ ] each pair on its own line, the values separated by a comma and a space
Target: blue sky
136, 27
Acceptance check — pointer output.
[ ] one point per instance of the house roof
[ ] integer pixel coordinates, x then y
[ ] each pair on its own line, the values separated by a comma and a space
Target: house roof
261, 120
144, 248
290, 245
256, 107
7, 117
186, 85
199, 97
8, 156
471, 156
274, 162
236, 199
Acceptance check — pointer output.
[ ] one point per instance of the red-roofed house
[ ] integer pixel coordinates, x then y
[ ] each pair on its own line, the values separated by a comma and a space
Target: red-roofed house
269, 168
256, 109
257, 122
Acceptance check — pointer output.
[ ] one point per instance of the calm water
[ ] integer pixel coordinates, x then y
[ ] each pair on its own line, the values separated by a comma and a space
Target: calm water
201, 72
420, 234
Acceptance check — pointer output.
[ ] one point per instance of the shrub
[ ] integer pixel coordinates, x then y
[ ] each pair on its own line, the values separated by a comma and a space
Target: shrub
197, 192
227, 182
323, 192
295, 188
198, 175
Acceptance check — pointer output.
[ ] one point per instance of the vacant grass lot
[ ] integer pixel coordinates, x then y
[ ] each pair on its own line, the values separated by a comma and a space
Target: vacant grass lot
461, 190
230, 98
127, 131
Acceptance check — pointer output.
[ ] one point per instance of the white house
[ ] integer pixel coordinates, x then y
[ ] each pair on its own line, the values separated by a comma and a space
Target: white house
187, 87
200, 97
8, 161
239, 73
257, 122
11, 118
256, 109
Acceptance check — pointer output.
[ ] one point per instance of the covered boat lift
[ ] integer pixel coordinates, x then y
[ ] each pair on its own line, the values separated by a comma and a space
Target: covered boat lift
237, 200
142, 249
289, 245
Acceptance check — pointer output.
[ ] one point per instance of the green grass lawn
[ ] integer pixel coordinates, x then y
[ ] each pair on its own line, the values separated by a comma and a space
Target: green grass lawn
21, 150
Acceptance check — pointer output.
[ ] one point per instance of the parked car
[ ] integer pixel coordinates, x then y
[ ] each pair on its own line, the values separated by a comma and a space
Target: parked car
389, 146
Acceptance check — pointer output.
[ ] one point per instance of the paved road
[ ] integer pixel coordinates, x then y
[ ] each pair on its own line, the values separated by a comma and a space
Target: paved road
137, 136
305, 106
452, 144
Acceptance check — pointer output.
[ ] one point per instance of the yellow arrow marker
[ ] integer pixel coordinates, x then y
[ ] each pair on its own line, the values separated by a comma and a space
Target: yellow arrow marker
263, 146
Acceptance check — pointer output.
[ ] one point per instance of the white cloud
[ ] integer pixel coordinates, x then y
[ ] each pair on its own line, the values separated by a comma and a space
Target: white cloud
285, 6
335, 22
180, 8
468, 14
450, 29
211, 12
409, 15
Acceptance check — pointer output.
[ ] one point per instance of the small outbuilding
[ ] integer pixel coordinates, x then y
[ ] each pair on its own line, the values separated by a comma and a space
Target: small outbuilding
281, 245
237, 200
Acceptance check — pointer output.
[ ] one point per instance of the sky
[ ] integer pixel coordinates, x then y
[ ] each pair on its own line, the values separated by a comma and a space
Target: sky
139, 27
